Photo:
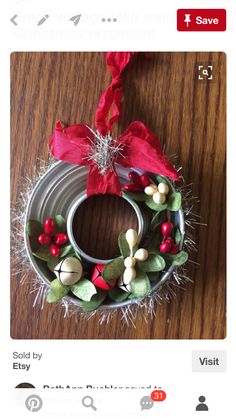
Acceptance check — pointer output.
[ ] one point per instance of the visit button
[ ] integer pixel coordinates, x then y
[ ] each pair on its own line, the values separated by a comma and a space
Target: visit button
209, 361
201, 20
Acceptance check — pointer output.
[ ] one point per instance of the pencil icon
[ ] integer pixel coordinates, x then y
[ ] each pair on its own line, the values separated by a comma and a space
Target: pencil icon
41, 21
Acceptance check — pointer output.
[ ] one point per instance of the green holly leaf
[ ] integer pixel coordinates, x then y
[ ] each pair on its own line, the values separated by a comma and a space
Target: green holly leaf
156, 207
178, 236
162, 179
113, 269
95, 301
174, 201
139, 197
178, 259
66, 250
154, 263
52, 262
116, 294
60, 224
57, 292
84, 290
140, 286
34, 228
43, 253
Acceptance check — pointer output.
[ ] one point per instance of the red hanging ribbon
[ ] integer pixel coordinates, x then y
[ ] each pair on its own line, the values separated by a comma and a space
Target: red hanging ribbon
139, 147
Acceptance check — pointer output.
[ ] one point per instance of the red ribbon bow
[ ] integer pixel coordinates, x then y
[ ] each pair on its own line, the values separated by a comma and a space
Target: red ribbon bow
136, 147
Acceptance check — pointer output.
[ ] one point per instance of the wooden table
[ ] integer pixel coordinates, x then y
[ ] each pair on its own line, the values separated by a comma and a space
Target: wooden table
188, 115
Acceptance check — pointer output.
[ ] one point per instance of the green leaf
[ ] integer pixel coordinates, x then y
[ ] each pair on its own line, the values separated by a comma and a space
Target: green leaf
174, 201
139, 197
154, 263
177, 236
77, 255
95, 301
43, 253
66, 250
123, 245
52, 262
140, 286
57, 292
113, 269
178, 259
84, 290
34, 228
153, 276
162, 179
156, 207
116, 294
156, 221
60, 224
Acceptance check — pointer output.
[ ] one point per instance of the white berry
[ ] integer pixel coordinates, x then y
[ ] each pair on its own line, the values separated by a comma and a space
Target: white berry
123, 286
159, 198
151, 189
129, 262
131, 237
128, 275
69, 271
141, 255
163, 188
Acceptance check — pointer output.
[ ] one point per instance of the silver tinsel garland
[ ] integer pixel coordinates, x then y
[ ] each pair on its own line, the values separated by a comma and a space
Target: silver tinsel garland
22, 268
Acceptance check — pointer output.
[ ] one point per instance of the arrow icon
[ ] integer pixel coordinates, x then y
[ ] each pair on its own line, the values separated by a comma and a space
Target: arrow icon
75, 19
12, 20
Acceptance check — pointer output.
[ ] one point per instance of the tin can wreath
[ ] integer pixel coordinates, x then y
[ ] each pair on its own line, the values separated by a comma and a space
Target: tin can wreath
134, 167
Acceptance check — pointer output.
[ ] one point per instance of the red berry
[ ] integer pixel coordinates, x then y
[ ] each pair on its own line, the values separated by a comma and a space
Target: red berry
60, 238
49, 225
166, 228
174, 249
145, 181
44, 239
132, 187
135, 178
165, 247
55, 250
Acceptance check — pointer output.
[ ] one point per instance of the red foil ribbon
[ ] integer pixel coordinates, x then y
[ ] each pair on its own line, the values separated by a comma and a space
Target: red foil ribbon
140, 147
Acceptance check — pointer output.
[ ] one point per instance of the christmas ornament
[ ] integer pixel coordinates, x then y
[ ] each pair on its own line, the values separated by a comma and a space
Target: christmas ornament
149, 258
98, 280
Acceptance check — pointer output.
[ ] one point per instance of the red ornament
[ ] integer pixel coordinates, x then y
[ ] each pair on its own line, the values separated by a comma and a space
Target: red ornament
44, 239
60, 238
165, 247
49, 225
98, 280
174, 249
132, 187
145, 181
54, 250
135, 178
166, 228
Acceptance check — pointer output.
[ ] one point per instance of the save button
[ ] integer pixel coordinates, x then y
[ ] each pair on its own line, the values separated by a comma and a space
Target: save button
191, 20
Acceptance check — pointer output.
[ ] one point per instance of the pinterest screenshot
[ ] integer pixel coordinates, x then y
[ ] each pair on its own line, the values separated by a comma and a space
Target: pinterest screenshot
117, 174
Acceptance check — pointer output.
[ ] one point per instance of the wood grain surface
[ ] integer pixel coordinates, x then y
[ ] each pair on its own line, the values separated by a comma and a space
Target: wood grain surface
188, 115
